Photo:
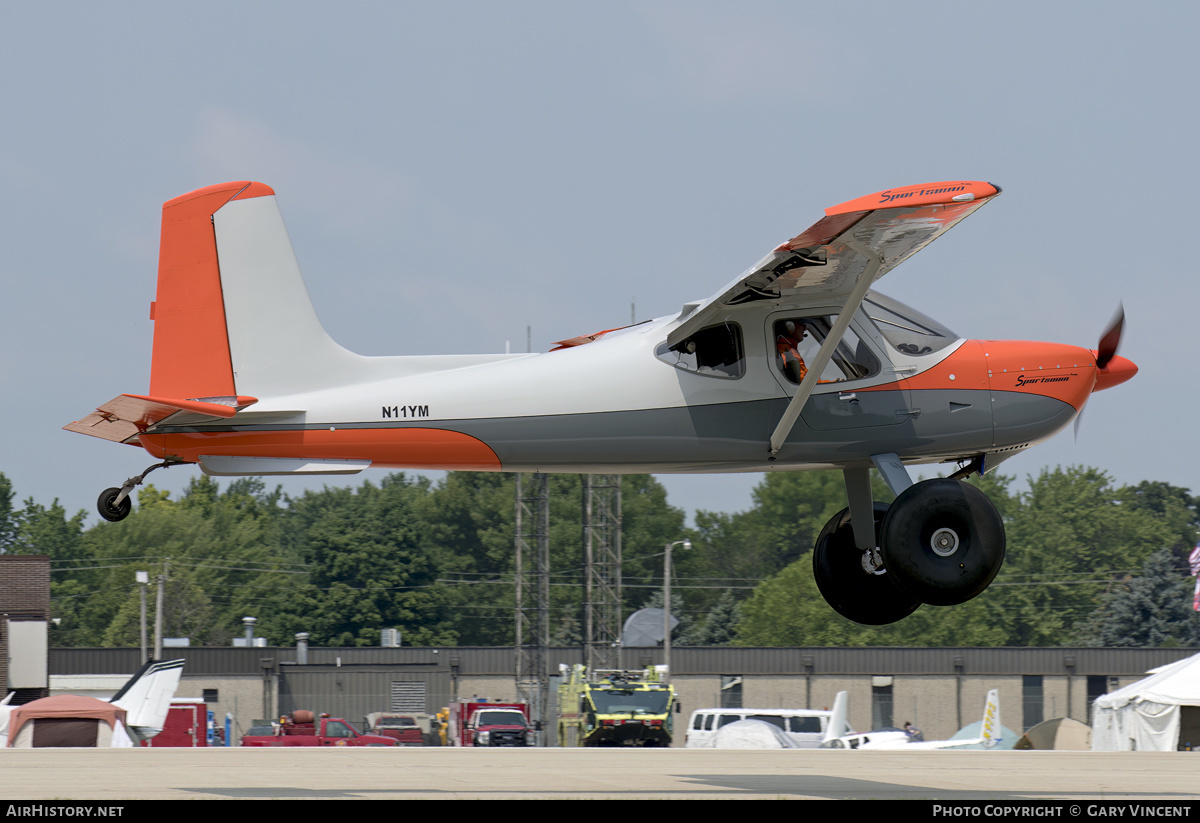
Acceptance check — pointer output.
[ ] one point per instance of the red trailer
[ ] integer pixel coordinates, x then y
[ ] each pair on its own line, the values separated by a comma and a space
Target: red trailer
186, 725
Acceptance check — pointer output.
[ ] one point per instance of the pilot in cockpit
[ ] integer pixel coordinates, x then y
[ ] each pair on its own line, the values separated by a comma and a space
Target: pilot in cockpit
789, 333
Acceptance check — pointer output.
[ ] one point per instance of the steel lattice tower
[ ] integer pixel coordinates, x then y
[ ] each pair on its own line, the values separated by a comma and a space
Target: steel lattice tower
602, 569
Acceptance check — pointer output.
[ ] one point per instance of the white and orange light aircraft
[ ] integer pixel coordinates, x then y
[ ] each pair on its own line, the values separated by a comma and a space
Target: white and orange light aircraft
796, 364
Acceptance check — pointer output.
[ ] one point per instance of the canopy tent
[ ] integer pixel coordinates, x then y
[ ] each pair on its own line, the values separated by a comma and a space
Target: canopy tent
68, 720
1148, 715
1062, 733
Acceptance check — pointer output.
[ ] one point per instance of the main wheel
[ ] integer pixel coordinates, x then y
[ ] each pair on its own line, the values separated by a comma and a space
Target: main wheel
849, 585
942, 541
112, 512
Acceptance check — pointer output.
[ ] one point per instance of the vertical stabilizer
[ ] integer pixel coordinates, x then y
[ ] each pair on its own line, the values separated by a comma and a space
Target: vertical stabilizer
839, 724
146, 697
991, 731
232, 315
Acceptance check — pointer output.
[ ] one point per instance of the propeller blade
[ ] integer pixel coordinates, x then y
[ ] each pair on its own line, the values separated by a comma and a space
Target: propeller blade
1111, 338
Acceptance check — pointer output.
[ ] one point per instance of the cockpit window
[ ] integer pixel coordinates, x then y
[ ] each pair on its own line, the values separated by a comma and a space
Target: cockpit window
796, 341
716, 351
905, 328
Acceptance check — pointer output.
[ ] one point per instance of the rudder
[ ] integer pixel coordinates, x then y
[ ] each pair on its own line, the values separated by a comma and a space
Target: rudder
191, 357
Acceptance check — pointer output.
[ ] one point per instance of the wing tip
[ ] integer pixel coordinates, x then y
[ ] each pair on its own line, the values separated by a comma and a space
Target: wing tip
925, 194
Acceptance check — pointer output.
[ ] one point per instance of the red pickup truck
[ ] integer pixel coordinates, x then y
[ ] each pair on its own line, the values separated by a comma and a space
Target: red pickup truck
300, 728
413, 729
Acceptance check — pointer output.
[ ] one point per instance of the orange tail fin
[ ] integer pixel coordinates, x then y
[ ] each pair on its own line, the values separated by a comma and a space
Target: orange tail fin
191, 356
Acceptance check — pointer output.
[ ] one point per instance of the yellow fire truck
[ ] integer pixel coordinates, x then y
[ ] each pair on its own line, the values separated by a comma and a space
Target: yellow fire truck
610, 707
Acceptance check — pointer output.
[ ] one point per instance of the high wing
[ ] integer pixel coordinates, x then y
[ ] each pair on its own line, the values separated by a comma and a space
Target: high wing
827, 261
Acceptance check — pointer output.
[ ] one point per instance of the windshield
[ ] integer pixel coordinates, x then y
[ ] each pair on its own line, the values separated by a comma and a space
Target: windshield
627, 701
497, 718
397, 723
905, 328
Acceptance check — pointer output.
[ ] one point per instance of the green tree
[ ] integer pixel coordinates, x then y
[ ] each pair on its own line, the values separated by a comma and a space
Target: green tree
213, 550
1068, 538
1175, 506
788, 610
8, 522
37, 529
716, 628
369, 568
1150, 610
468, 521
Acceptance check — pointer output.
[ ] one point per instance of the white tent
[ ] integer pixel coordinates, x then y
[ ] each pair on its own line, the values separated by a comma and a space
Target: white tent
1146, 715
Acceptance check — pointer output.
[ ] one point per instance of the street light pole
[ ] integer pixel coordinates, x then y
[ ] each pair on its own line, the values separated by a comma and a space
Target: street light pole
143, 580
686, 544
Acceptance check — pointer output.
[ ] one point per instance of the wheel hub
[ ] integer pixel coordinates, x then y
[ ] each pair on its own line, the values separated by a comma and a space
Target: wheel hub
944, 542
872, 562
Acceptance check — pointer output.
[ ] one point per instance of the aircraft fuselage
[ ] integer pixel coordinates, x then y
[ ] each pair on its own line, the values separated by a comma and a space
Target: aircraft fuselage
614, 406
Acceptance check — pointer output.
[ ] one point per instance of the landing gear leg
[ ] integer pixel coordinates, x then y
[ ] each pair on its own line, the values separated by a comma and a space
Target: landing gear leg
114, 504
941, 542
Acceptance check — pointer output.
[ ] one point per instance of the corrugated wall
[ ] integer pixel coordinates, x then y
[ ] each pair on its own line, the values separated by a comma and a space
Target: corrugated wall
499, 661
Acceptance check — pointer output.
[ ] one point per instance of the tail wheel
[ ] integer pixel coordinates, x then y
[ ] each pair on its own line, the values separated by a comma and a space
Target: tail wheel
943, 541
849, 582
111, 510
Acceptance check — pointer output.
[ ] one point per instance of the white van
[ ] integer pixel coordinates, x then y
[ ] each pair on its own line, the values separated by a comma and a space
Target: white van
804, 728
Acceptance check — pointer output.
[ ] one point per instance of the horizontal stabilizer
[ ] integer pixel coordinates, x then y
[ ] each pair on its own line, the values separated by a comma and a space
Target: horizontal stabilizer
125, 416
220, 466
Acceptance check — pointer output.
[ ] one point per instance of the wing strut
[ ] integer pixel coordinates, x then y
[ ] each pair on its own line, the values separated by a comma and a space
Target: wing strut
825, 353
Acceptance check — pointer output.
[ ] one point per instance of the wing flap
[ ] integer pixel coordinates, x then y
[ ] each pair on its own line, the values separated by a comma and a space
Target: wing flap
819, 264
128, 415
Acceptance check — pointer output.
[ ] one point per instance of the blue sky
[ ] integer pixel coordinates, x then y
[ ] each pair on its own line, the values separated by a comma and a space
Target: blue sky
452, 173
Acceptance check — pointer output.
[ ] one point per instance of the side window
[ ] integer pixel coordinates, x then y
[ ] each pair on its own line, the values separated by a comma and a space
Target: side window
335, 729
775, 720
716, 351
796, 340
811, 725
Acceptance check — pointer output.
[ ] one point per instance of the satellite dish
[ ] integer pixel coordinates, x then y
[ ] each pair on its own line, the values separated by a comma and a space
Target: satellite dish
645, 628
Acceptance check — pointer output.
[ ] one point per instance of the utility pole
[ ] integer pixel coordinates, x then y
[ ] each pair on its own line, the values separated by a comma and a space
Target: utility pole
533, 592
158, 612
